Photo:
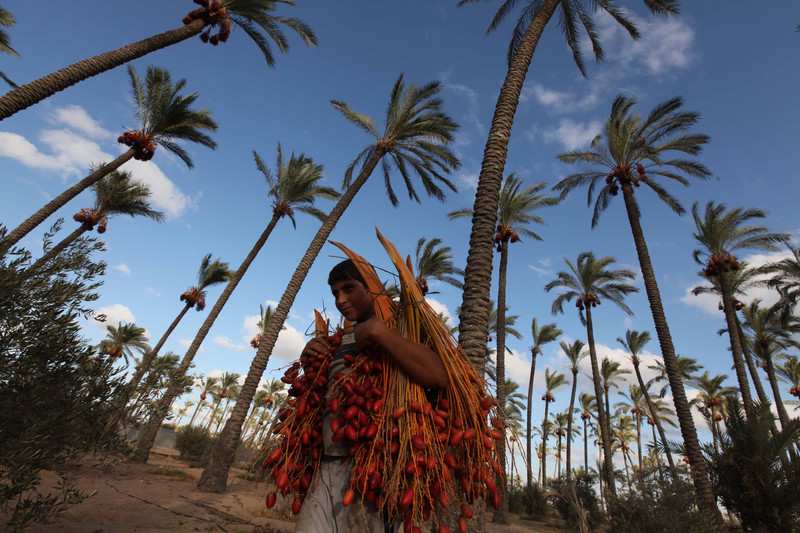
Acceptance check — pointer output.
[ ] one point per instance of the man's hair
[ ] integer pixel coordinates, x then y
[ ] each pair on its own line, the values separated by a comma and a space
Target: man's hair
344, 271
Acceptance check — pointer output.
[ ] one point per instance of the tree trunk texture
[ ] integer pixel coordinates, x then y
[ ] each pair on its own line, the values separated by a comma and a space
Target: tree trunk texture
58, 248
143, 449
59, 201
776, 392
501, 514
751, 364
699, 469
585, 448
544, 443
215, 476
36, 91
473, 327
733, 335
529, 428
654, 417
569, 423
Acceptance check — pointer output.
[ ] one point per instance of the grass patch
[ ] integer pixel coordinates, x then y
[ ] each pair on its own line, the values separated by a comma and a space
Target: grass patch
170, 472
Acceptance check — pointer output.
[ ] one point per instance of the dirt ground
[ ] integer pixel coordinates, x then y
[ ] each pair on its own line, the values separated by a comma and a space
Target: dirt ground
161, 496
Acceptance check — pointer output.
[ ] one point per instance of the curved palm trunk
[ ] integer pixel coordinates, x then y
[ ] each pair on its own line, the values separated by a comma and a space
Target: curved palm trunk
149, 434
196, 409
569, 423
59, 201
602, 412
501, 514
58, 248
751, 364
699, 470
36, 91
653, 416
544, 444
215, 476
733, 335
152, 354
473, 328
534, 353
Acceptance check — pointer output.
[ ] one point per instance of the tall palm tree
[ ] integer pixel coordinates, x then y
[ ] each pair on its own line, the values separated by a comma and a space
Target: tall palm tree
230, 391
263, 324
634, 343
769, 335
541, 336
610, 373
588, 280
6, 20
254, 17
434, 261
634, 403
789, 372
122, 341
588, 408
688, 368
115, 194
711, 399
786, 279
515, 211
551, 383
631, 151
534, 17
575, 355
414, 140
207, 386
721, 233
164, 117
293, 186
623, 434
561, 422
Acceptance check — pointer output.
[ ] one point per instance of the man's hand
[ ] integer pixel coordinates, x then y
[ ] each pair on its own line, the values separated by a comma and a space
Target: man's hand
316, 346
367, 334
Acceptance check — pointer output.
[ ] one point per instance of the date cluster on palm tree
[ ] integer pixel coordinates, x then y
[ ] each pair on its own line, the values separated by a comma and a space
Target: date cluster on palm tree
623, 172
144, 146
637, 411
586, 300
218, 16
795, 391
503, 234
548, 397
720, 263
255, 342
737, 305
114, 352
585, 416
194, 297
90, 217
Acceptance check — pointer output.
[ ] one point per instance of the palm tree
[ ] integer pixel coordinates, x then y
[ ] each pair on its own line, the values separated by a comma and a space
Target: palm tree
786, 279
414, 140
122, 341
551, 383
548, 333
275, 393
254, 17
230, 388
561, 422
589, 280
263, 324
610, 373
530, 25
207, 386
721, 233
632, 151
634, 343
7, 20
688, 368
622, 436
294, 186
434, 261
789, 372
588, 407
635, 404
227, 384
711, 399
165, 117
116, 194
575, 355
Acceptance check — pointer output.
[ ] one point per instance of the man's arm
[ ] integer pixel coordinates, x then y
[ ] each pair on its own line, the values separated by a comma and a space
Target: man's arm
420, 362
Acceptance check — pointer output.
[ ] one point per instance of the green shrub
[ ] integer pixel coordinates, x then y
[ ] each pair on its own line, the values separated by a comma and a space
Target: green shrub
576, 501
530, 501
194, 444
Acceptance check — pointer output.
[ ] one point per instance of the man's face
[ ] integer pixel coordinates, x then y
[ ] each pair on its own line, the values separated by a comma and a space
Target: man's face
353, 300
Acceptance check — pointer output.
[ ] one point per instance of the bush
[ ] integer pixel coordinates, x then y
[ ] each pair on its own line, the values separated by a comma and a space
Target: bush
576, 501
530, 501
194, 444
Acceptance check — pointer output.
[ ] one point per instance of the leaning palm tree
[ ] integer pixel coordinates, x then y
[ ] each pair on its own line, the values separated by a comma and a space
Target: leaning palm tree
434, 261
588, 280
588, 408
207, 386
632, 151
634, 343
721, 233
262, 325
575, 355
551, 383
6, 20
122, 341
533, 19
115, 194
711, 400
294, 186
541, 336
164, 117
414, 140
254, 17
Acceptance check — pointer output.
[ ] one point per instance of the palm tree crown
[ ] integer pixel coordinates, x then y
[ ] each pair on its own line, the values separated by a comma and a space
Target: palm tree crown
6, 20
122, 340
436, 262
210, 273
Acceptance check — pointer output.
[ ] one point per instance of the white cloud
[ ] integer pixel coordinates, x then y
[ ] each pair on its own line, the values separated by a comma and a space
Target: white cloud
151, 291
439, 307
75, 117
226, 342
290, 341
115, 314
122, 267
543, 270
164, 194
469, 180
73, 152
556, 100
570, 134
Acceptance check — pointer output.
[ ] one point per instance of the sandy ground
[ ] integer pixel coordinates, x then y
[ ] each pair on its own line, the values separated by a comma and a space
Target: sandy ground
156, 498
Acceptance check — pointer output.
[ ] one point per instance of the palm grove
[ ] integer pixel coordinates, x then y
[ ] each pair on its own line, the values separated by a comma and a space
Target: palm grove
611, 402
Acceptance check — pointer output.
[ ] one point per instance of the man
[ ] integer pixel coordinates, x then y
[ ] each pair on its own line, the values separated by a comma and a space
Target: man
323, 510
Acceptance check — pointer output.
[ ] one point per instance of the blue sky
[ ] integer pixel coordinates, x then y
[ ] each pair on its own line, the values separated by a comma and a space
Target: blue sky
735, 65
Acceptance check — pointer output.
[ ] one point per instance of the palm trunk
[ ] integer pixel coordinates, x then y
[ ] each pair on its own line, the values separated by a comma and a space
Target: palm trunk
196, 409
557, 465
473, 328
773, 382
654, 417
714, 429
625, 462
602, 412
639, 438
751, 364
733, 335
569, 422
705, 494
149, 435
215, 476
58, 248
59, 201
534, 353
36, 91
213, 414
544, 443
152, 354
501, 514
658, 459
585, 448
